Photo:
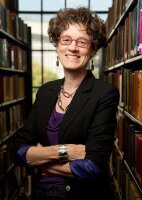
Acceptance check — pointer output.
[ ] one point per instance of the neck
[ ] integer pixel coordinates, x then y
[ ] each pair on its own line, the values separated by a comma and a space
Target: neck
73, 80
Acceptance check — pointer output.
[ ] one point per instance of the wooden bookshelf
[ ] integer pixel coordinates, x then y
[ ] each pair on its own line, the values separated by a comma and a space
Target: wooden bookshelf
15, 95
123, 68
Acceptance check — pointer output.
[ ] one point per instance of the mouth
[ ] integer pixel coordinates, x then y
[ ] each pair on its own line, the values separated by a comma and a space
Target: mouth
72, 57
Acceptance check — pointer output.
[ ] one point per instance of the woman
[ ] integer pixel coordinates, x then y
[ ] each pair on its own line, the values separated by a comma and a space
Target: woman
70, 131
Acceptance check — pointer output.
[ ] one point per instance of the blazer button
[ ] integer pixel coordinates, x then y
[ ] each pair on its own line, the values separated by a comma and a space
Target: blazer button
68, 187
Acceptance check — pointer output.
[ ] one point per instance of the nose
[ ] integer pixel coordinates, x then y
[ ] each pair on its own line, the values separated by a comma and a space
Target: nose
73, 45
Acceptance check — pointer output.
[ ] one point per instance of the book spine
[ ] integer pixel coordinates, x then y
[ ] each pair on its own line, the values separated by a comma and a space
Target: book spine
140, 34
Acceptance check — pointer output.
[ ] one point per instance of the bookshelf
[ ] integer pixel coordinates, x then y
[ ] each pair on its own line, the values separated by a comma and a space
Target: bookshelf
123, 68
15, 96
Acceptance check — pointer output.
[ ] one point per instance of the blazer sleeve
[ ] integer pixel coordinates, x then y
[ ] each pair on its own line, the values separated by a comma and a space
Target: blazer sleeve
101, 134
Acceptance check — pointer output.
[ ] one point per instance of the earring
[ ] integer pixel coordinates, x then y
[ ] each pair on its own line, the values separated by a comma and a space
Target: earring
57, 62
92, 65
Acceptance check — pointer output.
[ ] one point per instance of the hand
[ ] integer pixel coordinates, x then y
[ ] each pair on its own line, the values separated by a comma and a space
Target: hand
76, 151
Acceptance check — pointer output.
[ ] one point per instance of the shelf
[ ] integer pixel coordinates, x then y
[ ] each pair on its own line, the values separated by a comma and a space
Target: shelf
12, 38
115, 67
132, 118
124, 63
119, 65
10, 135
6, 69
133, 177
134, 59
120, 153
7, 172
116, 184
9, 103
17, 189
121, 109
128, 168
129, 116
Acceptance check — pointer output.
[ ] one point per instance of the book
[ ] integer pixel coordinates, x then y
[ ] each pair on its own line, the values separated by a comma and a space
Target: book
120, 136
138, 160
140, 28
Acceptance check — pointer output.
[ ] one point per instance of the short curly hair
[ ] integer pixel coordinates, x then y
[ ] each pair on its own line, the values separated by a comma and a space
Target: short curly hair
95, 26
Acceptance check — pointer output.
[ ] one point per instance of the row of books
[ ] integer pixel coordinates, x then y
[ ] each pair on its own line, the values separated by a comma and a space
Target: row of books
11, 119
11, 177
14, 25
12, 56
5, 158
127, 42
13, 182
115, 12
130, 89
133, 92
11, 87
115, 78
126, 185
11, 5
130, 144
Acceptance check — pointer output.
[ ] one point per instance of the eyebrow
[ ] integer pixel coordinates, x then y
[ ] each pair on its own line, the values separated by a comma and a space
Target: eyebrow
76, 38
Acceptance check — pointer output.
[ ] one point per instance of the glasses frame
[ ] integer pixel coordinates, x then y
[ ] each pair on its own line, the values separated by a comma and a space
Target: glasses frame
76, 40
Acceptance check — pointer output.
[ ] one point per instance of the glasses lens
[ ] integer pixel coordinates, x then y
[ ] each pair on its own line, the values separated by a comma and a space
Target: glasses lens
65, 40
82, 42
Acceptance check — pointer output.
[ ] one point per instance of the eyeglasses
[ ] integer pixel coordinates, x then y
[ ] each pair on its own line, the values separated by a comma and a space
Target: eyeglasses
80, 42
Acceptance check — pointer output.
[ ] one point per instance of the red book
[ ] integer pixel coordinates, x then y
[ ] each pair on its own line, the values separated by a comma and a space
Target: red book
140, 33
140, 95
138, 157
1, 89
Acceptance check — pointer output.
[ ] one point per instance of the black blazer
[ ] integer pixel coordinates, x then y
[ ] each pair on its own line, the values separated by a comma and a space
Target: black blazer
90, 119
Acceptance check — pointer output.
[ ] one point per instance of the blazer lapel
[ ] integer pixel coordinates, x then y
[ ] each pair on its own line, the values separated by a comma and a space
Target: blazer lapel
80, 99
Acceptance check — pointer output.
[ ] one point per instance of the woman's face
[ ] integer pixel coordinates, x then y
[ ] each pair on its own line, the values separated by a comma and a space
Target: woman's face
74, 48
